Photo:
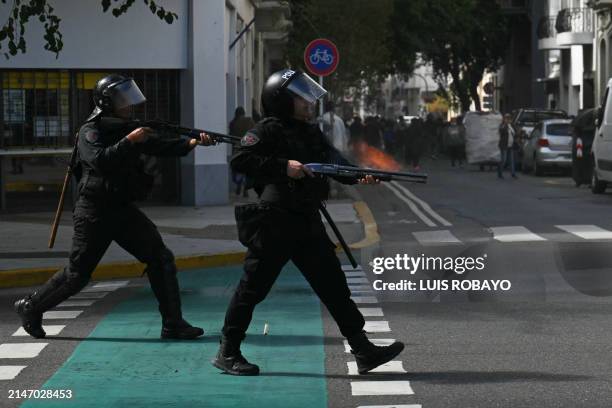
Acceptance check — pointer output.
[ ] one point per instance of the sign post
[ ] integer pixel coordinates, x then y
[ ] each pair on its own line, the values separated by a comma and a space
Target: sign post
321, 58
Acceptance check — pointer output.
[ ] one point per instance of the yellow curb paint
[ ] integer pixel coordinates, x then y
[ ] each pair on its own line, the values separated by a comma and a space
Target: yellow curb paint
29, 187
370, 227
36, 276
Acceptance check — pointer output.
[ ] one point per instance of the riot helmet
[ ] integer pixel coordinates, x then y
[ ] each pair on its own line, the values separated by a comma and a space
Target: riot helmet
282, 86
114, 92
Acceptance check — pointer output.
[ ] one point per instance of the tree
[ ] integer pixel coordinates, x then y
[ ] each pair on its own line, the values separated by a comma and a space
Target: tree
461, 38
360, 29
12, 32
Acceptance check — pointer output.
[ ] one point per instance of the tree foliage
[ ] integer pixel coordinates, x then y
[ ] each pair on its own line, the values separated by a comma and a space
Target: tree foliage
12, 33
360, 29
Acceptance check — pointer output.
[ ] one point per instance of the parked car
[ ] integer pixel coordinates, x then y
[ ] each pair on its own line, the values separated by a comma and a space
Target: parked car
524, 120
548, 146
602, 145
583, 132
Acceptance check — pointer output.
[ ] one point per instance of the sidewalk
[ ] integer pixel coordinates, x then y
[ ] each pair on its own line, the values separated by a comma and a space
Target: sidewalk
199, 237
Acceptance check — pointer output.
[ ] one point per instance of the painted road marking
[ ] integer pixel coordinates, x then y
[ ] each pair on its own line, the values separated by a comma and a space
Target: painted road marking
363, 292
381, 326
515, 234
61, 314
90, 295
354, 274
10, 372
77, 303
381, 388
364, 299
392, 367
111, 285
21, 350
377, 342
350, 268
351, 281
587, 231
423, 204
413, 207
360, 287
93, 289
51, 330
435, 237
371, 311
391, 406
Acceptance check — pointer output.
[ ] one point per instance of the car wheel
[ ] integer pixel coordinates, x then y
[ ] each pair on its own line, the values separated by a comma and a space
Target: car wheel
597, 186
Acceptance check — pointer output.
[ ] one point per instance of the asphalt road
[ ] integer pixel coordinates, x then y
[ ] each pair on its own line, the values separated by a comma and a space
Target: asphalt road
545, 342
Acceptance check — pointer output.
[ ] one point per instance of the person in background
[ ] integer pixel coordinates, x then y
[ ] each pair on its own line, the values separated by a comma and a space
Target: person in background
333, 128
506, 146
238, 127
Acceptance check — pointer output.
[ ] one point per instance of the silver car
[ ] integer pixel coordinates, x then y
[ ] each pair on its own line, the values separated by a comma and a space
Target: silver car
548, 146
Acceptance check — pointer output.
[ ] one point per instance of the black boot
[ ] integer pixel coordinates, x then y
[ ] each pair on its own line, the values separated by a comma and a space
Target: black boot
181, 330
369, 356
230, 359
31, 320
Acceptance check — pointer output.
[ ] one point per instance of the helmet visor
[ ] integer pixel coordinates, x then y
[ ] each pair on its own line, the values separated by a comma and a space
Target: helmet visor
126, 94
305, 87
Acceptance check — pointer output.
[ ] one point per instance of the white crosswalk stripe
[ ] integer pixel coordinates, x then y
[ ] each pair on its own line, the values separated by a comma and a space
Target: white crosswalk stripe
350, 268
111, 285
364, 299
51, 330
90, 295
377, 342
377, 326
381, 388
351, 281
514, 234
371, 311
392, 367
435, 237
586, 231
21, 350
355, 274
61, 314
77, 303
10, 372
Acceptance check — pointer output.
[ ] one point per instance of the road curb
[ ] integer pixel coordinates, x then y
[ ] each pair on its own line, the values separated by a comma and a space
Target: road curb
132, 269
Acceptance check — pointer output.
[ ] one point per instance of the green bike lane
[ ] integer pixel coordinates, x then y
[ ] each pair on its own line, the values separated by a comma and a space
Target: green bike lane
123, 362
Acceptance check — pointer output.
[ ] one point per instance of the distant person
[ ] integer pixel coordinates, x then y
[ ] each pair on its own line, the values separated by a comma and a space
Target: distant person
416, 143
372, 132
333, 128
506, 146
238, 127
456, 141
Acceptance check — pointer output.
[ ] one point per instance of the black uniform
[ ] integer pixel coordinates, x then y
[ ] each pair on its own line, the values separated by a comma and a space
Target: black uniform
286, 224
111, 178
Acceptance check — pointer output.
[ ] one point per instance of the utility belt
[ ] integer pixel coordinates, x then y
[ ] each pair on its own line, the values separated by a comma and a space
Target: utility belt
133, 187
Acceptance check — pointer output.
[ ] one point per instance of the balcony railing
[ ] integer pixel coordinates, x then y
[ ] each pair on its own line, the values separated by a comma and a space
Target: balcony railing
575, 20
546, 27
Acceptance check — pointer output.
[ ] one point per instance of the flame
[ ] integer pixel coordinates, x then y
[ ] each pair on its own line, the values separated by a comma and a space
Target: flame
369, 156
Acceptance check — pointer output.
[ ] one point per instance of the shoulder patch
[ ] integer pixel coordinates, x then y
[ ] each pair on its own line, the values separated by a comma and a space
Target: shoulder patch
91, 135
249, 139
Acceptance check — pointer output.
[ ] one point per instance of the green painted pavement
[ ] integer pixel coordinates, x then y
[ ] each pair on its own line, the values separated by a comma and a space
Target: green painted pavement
124, 363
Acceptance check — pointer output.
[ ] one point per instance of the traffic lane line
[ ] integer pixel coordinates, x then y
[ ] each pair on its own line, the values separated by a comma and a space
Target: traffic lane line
514, 234
413, 207
61, 314
371, 311
376, 342
377, 326
423, 204
10, 372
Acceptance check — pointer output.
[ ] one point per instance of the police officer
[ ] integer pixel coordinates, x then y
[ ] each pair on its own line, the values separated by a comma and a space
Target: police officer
111, 178
286, 225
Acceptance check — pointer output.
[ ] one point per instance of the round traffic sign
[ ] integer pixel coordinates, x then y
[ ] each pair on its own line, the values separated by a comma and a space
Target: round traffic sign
321, 57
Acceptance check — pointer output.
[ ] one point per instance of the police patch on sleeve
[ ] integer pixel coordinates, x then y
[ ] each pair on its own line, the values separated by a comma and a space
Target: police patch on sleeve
249, 139
91, 136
